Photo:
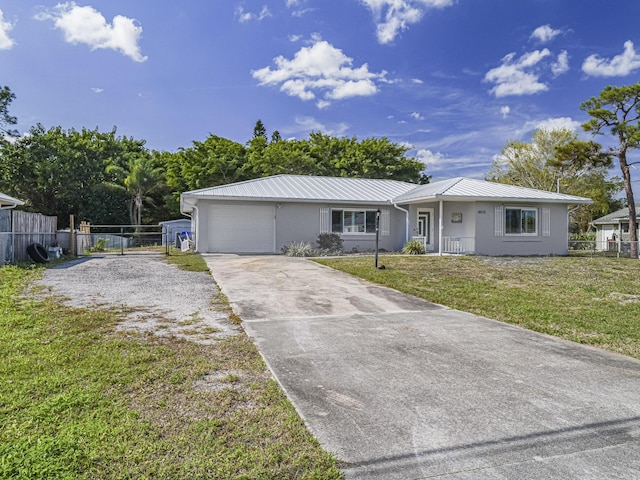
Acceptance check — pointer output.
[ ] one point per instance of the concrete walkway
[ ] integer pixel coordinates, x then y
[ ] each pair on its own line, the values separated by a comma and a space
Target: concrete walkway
404, 389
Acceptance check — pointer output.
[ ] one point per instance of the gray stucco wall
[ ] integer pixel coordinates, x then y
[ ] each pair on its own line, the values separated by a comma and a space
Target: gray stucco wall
477, 229
300, 222
487, 243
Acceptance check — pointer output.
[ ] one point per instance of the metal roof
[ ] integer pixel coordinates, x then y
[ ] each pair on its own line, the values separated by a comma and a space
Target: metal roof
6, 200
467, 189
302, 188
616, 217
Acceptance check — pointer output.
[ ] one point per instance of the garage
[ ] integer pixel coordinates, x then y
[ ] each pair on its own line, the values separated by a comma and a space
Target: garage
242, 229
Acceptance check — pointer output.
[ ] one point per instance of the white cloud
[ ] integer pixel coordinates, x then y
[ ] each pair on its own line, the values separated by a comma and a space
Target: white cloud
417, 81
295, 38
557, 123
306, 125
518, 77
545, 33
320, 70
244, 17
6, 42
416, 116
561, 65
87, 25
505, 111
429, 158
97, 90
302, 12
619, 66
394, 16
298, 12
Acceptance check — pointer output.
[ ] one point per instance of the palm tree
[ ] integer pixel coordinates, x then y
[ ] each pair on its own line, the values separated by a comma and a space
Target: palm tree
139, 178
142, 178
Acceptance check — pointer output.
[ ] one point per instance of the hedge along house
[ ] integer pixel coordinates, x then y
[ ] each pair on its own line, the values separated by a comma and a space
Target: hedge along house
452, 216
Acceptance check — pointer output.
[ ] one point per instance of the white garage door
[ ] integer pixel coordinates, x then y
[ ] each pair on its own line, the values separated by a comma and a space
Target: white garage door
242, 229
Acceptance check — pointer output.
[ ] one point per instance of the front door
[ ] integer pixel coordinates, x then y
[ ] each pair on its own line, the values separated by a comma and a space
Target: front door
425, 226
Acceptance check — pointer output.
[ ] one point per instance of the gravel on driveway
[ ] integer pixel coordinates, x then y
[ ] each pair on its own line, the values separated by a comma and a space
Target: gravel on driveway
153, 296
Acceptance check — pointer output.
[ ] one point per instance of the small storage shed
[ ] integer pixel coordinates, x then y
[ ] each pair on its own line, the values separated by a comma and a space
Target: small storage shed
171, 230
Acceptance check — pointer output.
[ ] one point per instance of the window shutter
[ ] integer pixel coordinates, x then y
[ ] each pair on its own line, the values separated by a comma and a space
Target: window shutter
325, 220
499, 221
385, 223
546, 222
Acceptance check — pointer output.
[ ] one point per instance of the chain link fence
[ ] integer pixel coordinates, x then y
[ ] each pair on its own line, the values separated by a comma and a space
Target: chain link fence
609, 248
122, 239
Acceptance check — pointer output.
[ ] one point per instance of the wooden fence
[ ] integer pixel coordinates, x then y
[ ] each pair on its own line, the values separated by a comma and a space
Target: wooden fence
6, 243
25, 228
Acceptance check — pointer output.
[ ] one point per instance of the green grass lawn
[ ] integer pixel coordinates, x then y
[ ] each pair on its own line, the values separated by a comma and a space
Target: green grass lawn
79, 399
595, 301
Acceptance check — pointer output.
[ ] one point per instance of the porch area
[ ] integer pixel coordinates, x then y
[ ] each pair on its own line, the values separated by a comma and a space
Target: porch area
450, 245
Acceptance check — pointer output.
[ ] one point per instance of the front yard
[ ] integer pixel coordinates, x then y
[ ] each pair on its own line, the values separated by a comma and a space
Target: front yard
82, 399
594, 301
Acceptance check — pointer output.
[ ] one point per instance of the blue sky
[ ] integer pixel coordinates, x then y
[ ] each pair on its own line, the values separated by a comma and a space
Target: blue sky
452, 79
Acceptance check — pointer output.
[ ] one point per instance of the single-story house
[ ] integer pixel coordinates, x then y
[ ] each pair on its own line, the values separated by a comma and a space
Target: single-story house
613, 227
460, 215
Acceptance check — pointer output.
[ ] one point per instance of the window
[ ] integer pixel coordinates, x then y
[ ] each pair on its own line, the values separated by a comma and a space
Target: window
353, 221
521, 221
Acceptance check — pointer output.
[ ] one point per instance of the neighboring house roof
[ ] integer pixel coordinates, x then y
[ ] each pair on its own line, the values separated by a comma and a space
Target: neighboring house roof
467, 189
300, 188
178, 221
614, 218
9, 202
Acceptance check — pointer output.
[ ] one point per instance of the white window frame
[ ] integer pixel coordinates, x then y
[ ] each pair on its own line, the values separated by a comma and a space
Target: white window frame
521, 234
359, 210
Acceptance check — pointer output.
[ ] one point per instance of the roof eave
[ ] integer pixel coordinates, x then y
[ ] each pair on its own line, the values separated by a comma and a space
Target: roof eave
459, 198
285, 199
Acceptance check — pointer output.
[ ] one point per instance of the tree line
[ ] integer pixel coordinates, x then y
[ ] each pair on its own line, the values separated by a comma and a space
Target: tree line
104, 178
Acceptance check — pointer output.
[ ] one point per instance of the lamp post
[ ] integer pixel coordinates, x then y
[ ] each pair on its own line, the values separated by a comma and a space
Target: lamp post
377, 235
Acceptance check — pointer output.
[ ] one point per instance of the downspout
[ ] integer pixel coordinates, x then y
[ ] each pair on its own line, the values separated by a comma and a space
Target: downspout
406, 222
195, 227
569, 213
440, 227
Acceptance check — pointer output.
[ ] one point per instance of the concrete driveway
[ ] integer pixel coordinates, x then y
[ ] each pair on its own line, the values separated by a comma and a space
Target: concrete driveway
400, 388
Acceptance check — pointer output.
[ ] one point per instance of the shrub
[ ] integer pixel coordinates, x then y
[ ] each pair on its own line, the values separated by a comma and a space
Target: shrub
100, 245
298, 249
330, 242
413, 247
584, 237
